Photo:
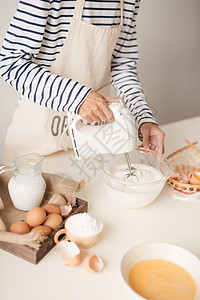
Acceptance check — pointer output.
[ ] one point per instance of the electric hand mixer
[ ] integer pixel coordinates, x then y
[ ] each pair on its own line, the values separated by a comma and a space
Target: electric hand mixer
114, 137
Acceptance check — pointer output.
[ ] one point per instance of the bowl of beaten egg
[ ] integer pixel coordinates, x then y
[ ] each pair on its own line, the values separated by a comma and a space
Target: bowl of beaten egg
161, 271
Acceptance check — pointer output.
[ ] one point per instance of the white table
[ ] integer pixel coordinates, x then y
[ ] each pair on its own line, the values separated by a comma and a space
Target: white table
165, 220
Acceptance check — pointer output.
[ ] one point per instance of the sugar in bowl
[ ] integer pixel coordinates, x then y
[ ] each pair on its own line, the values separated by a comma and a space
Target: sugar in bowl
82, 229
27, 186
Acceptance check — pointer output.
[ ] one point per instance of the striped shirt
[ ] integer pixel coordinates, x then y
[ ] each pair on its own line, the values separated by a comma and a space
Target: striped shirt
35, 37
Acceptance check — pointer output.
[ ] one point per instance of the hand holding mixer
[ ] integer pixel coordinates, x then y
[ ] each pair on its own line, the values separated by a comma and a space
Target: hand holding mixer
114, 137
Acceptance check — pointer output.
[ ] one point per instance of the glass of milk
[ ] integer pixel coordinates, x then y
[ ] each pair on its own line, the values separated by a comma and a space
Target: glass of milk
27, 186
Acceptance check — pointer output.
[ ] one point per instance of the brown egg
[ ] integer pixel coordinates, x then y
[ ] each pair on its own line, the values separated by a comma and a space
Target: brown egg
20, 227
46, 230
52, 209
35, 216
53, 221
58, 200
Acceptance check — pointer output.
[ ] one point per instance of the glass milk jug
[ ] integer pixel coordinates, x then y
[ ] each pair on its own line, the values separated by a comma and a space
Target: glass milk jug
27, 186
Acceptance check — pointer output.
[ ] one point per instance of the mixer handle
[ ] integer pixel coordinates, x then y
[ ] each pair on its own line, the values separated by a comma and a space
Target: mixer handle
71, 117
69, 121
74, 117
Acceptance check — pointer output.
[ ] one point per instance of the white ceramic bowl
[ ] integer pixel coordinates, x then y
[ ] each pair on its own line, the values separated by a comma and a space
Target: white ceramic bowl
134, 194
164, 251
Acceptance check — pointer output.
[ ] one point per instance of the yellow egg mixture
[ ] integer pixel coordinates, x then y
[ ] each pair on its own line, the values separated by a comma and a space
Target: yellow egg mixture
158, 279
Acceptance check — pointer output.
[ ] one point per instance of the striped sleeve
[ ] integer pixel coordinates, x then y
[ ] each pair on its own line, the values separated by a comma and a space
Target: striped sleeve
19, 68
124, 75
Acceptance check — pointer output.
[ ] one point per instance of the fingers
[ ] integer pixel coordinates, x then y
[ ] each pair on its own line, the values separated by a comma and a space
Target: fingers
111, 99
88, 119
153, 137
107, 112
101, 115
160, 144
146, 140
95, 107
161, 150
153, 147
160, 147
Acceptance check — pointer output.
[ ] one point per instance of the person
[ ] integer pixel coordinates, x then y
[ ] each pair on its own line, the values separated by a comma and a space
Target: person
62, 56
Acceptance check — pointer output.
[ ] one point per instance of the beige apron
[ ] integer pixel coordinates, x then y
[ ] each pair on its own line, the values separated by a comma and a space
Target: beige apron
85, 57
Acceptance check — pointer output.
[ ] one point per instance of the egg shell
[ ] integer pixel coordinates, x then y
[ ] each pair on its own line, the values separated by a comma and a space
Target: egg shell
197, 175
52, 209
46, 230
183, 178
20, 227
66, 210
175, 175
93, 263
58, 200
195, 179
53, 221
35, 216
70, 253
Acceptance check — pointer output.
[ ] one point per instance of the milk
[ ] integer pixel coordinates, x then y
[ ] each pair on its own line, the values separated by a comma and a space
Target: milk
26, 192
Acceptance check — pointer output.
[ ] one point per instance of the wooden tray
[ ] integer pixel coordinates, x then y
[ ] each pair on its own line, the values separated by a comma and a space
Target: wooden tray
30, 254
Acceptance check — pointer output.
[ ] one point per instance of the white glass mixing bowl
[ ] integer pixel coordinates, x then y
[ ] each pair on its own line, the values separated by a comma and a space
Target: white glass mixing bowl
130, 193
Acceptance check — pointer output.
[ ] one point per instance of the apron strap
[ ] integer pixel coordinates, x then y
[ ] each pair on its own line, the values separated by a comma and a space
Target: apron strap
78, 11
122, 12
79, 6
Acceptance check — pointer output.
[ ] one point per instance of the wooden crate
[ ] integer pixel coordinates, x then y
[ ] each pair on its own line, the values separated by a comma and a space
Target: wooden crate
59, 186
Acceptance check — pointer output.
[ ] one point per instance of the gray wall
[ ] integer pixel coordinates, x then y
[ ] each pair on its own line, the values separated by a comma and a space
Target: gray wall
169, 66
